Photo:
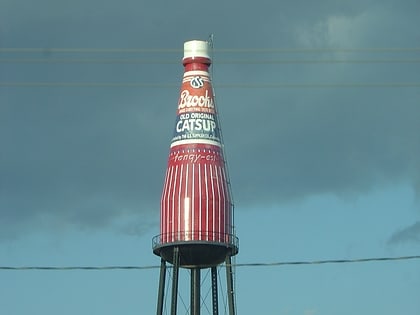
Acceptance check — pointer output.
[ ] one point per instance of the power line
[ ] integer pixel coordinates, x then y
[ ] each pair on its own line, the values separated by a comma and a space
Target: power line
79, 268
330, 261
320, 85
228, 86
225, 62
318, 50
86, 84
219, 50
48, 50
87, 61
273, 264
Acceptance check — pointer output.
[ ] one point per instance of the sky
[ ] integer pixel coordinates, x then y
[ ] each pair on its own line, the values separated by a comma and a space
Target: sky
320, 111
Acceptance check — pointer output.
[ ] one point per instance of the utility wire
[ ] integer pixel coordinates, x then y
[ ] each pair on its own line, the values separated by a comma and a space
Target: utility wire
79, 268
330, 261
273, 264
86, 84
225, 62
228, 86
219, 50
318, 50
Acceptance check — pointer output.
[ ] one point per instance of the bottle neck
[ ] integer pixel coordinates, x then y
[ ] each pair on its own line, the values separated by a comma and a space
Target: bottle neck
197, 63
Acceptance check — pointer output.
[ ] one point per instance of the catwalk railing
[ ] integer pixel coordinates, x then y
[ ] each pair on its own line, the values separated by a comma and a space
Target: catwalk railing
227, 239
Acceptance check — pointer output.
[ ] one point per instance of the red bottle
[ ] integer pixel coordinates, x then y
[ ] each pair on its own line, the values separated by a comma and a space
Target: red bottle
196, 206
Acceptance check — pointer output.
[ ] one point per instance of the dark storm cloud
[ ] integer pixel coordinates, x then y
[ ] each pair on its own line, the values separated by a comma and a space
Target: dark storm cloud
408, 234
289, 151
88, 156
85, 163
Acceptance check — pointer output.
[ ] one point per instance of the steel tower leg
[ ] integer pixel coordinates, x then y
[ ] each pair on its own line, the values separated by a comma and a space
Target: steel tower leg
214, 290
161, 291
195, 291
175, 282
229, 278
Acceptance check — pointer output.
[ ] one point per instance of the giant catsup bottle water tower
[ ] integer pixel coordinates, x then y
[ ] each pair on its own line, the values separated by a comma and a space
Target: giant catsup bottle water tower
196, 223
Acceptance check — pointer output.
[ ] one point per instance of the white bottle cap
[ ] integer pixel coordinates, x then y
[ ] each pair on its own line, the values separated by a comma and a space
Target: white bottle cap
196, 48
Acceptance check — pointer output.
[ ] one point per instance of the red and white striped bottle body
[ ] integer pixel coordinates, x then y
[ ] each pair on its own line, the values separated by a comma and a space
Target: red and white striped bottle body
196, 204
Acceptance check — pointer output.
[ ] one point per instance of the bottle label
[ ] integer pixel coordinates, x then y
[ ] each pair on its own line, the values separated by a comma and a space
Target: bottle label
196, 120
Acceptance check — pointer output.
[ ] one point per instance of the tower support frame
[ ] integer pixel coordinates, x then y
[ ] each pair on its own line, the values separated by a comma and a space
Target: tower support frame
195, 289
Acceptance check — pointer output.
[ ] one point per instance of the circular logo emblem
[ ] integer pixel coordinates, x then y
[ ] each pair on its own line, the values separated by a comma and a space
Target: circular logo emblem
196, 82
